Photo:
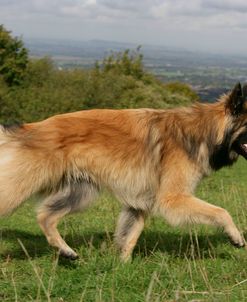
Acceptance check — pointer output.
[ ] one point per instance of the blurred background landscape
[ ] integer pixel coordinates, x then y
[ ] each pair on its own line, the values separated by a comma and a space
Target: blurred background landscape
209, 74
43, 77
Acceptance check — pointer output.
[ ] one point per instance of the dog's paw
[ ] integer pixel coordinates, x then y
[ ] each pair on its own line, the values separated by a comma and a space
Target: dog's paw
238, 244
68, 254
238, 241
235, 237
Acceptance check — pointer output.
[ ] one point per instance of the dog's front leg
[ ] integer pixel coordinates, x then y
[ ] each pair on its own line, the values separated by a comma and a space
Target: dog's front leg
179, 209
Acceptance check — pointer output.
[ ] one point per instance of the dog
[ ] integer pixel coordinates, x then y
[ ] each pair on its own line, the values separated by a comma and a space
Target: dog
151, 160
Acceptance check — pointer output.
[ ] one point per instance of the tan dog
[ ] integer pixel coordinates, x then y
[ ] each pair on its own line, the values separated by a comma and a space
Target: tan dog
152, 160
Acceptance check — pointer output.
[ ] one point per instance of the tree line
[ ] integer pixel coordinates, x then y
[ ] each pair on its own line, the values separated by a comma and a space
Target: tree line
34, 89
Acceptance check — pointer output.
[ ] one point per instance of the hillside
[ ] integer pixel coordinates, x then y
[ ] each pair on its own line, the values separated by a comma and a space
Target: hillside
209, 74
120, 81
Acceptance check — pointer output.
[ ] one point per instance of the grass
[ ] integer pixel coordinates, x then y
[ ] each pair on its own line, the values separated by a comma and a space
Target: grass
169, 264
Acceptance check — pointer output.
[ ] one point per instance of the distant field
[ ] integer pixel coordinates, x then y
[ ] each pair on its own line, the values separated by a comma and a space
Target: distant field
169, 264
209, 82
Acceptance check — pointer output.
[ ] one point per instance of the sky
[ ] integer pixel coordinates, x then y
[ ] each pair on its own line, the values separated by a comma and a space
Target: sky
217, 26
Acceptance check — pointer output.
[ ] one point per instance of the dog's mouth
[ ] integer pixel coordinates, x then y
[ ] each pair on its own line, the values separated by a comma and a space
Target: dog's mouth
241, 149
244, 150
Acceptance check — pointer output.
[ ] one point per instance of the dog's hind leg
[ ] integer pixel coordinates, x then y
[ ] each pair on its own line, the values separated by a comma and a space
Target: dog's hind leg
75, 197
129, 228
184, 209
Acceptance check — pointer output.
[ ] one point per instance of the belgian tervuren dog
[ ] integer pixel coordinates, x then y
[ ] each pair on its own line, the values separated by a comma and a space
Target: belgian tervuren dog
152, 160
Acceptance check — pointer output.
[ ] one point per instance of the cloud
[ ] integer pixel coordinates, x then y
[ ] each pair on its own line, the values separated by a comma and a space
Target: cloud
116, 10
154, 21
226, 5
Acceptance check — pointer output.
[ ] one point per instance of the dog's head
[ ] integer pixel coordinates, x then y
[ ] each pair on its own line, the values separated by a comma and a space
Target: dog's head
236, 106
234, 139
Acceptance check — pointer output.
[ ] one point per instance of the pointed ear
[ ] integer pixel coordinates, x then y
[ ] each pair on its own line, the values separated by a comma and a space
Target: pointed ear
245, 92
236, 100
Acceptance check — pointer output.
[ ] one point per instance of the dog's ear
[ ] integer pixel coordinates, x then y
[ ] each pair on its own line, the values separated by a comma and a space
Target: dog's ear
245, 92
236, 99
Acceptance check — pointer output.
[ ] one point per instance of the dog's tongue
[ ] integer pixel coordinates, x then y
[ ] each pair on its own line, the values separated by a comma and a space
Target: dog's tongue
244, 147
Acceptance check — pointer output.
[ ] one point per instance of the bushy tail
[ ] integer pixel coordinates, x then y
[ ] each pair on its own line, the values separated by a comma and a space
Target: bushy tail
23, 171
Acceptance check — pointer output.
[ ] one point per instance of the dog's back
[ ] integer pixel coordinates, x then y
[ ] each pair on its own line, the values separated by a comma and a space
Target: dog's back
106, 147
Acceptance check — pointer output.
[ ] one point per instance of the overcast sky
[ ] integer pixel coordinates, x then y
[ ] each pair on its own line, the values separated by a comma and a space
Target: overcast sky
210, 25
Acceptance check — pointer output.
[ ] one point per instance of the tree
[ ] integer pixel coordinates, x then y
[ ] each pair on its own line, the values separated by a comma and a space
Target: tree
13, 58
128, 63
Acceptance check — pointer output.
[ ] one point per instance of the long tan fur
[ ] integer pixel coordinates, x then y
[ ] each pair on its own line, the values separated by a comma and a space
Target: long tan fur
151, 160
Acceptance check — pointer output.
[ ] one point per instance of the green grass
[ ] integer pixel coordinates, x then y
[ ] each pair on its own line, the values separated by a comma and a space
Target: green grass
169, 264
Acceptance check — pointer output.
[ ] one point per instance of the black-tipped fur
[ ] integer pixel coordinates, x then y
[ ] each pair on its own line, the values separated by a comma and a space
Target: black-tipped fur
72, 197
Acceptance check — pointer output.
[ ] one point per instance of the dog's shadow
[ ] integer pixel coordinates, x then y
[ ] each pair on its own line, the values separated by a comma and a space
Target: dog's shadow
186, 245
176, 245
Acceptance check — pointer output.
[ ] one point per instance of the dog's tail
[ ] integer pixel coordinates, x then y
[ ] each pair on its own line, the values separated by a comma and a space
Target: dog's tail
24, 169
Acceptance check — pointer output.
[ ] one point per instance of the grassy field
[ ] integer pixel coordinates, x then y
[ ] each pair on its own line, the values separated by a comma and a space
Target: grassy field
169, 264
